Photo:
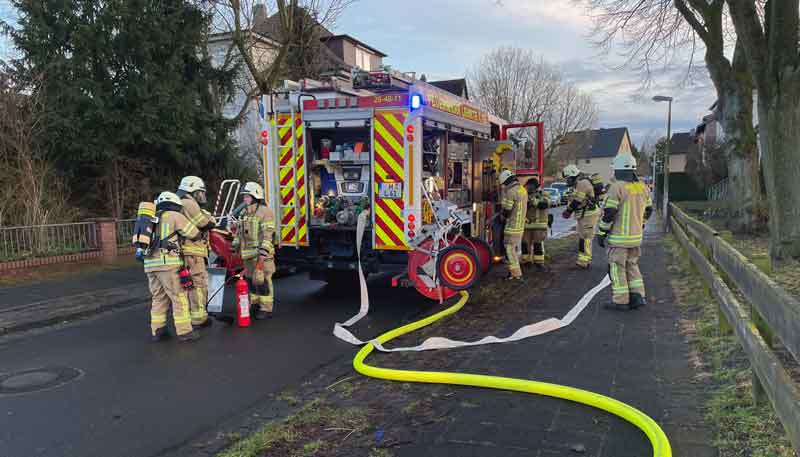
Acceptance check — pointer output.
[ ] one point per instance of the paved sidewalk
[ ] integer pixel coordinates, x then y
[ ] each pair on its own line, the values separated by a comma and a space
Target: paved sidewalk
44, 303
637, 357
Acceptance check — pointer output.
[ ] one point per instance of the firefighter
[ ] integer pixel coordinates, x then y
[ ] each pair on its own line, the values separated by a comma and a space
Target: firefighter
587, 213
163, 264
515, 204
536, 222
192, 191
254, 239
627, 208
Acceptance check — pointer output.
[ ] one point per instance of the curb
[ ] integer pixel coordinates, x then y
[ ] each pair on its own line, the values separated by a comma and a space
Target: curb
50, 312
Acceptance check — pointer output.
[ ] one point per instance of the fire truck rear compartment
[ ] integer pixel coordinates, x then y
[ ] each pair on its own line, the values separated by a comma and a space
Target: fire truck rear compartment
340, 176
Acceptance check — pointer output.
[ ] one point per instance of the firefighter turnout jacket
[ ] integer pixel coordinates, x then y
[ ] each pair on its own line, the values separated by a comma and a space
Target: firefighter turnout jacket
584, 202
627, 207
256, 231
203, 221
515, 204
165, 254
538, 210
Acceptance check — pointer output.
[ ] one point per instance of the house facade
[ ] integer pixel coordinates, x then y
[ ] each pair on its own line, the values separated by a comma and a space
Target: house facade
680, 147
593, 150
341, 56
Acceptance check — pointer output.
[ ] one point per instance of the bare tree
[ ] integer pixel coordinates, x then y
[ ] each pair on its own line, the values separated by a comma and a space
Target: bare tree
769, 42
656, 34
31, 191
271, 41
518, 86
291, 46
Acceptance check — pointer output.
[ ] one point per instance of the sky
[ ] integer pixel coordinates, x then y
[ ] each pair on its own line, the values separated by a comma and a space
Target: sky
443, 38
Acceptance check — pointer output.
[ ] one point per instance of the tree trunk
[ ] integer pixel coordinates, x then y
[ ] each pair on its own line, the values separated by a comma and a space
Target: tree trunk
779, 132
741, 152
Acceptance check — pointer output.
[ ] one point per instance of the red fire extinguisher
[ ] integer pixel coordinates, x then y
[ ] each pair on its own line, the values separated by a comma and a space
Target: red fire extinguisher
242, 303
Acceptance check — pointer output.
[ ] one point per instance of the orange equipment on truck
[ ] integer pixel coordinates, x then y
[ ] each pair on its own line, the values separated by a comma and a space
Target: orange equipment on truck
420, 159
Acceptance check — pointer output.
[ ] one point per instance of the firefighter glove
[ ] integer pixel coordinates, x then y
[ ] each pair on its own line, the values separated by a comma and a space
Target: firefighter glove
567, 213
542, 205
601, 238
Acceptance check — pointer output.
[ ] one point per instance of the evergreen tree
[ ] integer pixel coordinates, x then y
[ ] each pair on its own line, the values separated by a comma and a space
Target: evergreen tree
127, 86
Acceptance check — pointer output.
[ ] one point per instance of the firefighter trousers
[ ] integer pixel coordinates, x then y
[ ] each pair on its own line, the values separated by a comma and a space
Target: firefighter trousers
513, 246
533, 240
198, 297
585, 227
623, 268
262, 291
165, 287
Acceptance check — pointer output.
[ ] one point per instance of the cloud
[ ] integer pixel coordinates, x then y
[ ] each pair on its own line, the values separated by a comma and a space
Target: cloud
443, 38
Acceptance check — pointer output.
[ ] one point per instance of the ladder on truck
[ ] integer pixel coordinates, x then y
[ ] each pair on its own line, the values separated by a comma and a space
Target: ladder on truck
292, 183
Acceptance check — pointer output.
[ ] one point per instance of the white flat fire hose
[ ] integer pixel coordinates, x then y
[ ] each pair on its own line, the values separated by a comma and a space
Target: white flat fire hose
527, 331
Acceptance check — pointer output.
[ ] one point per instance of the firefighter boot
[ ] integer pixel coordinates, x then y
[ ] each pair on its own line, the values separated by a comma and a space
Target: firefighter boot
160, 334
636, 301
187, 337
206, 324
260, 315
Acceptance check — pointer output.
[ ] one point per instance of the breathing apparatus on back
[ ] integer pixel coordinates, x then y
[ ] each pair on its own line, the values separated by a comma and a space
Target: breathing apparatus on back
145, 236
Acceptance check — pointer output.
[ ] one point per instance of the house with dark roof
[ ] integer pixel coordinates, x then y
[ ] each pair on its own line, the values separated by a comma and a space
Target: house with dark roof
593, 150
454, 86
680, 147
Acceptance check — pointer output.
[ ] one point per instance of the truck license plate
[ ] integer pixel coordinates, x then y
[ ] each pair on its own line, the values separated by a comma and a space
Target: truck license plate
392, 190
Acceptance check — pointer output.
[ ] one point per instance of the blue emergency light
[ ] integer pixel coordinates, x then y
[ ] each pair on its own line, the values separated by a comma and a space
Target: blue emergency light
416, 101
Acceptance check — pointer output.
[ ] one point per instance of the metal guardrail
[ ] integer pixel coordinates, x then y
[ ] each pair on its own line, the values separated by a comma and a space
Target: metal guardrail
125, 232
17, 243
773, 313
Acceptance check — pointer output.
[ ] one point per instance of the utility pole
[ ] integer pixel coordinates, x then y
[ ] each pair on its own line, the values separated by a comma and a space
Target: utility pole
665, 187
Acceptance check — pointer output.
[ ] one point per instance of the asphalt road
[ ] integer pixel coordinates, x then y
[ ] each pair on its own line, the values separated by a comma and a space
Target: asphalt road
137, 398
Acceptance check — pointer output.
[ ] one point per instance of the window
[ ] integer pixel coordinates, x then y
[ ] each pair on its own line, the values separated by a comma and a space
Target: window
363, 59
588, 160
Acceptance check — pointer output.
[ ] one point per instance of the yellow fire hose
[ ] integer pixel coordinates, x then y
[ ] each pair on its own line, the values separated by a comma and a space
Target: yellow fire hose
658, 439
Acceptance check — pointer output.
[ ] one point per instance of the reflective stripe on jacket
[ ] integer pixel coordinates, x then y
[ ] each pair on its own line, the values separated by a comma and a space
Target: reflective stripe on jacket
256, 231
630, 199
515, 200
170, 228
584, 195
537, 218
201, 219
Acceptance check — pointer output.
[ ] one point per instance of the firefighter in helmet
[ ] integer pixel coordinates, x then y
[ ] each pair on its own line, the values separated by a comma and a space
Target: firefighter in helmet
536, 222
162, 266
627, 208
254, 240
587, 213
514, 204
192, 191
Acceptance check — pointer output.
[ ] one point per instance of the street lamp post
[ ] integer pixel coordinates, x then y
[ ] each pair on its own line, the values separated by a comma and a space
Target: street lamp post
665, 161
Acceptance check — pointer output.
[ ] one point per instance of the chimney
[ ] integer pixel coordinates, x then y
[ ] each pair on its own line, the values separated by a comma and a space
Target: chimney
259, 14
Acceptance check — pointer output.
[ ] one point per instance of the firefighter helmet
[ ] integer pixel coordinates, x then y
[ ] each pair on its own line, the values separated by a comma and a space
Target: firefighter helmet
254, 190
624, 162
505, 175
168, 197
571, 171
190, 184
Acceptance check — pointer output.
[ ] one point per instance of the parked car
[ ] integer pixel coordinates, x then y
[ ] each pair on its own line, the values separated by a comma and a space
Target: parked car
555, 196
563, 190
